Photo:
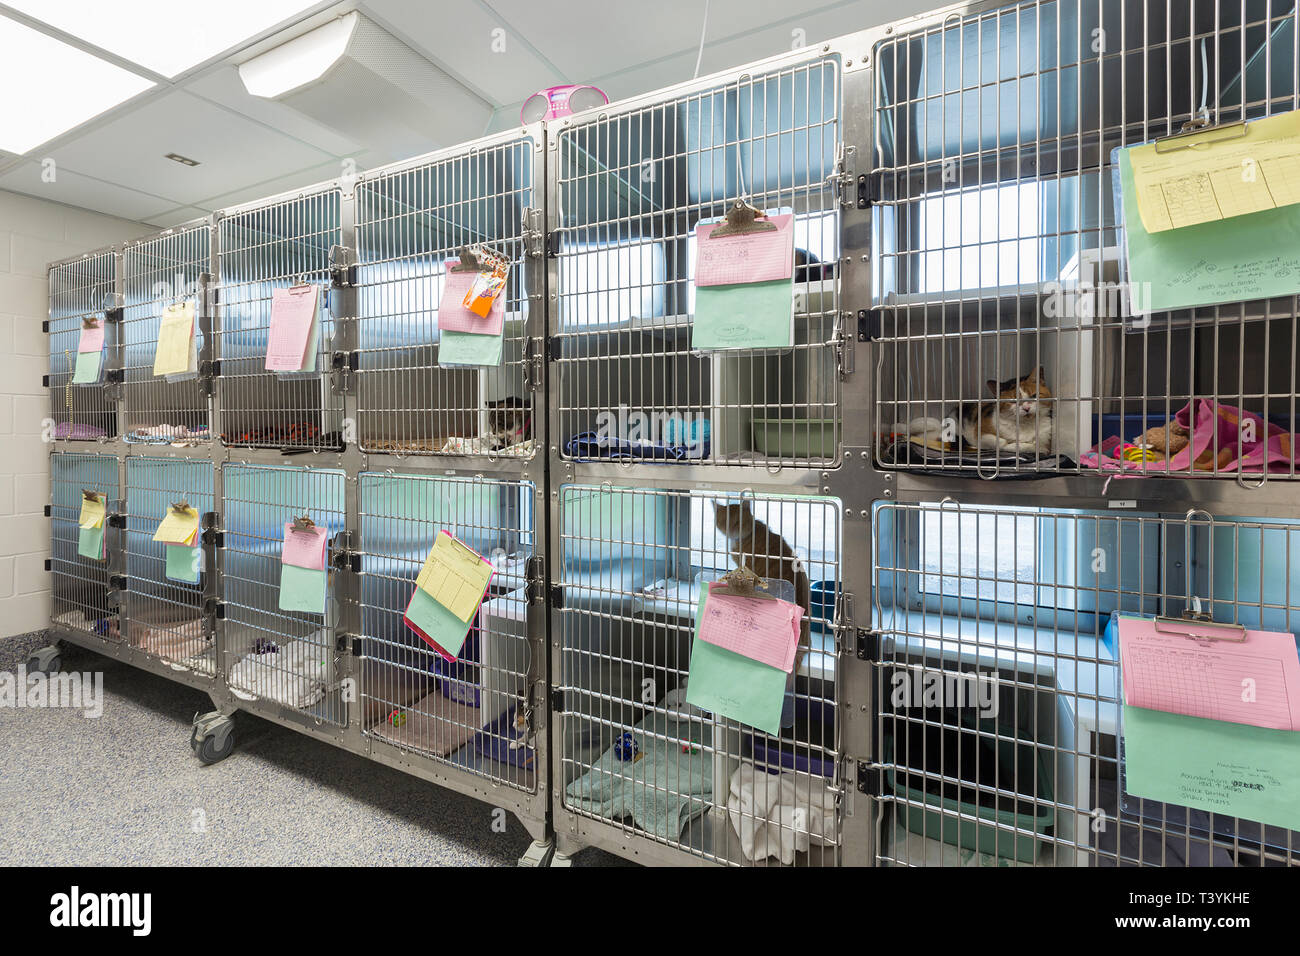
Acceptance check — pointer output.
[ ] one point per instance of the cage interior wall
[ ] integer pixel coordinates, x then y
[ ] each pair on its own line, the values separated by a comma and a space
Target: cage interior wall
80, 289
80, 598
462, 713
632, 186
999, 709
633, 563
412, 224
287, 657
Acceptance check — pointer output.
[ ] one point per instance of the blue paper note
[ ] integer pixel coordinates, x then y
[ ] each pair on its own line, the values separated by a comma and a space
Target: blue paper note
732, 685
90, 543
183, 564
302, 589
754, 315
469, 348
437, 623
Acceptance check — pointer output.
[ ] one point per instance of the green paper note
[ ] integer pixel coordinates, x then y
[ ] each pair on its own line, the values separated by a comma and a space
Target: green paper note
90, 543
732, 685
753, 315
1233, 769
302, 589
87, 370
183, 564
1232, 260
469, 348
439, 623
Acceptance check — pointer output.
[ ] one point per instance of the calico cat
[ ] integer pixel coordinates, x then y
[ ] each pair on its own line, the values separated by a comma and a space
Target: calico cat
509, 422
756, 546
1019, 421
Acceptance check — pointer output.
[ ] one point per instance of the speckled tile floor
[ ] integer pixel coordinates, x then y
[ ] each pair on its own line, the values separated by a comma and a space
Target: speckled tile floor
125, 789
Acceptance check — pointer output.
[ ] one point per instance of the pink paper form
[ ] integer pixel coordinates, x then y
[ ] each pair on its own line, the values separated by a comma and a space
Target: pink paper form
92, 340
454, 317
304, 549
1255, 681
293, 311
753, 257
765, 630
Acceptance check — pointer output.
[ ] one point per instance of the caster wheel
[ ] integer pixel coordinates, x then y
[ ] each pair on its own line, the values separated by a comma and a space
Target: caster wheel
207, 749
54, 666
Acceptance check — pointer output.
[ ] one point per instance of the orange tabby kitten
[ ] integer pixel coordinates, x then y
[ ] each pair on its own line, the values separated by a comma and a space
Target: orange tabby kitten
756, 546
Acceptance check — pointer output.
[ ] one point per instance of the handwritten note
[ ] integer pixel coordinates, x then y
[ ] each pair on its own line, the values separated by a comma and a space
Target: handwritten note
291, 341
305, 549
457, 349
453, 316
183, 564
174, 351
1256, 681
91, 339
748, 257
434, 624
92, 512
764, 629
90, 543
1218, 174
455, 575
728, 684
178, 527
86, 371
302, 589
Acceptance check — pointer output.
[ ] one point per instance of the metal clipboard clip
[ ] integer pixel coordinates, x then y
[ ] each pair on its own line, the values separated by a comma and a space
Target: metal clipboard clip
479, 259
303, 523
743, 220
89, 322
181, 508
1194, 129
89, 495
1178, 626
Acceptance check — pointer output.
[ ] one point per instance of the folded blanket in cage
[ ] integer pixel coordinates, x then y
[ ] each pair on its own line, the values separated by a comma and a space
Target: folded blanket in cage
292, 673
75, 431
166, 434
173, 642
780, 814
1220, 438
590, 445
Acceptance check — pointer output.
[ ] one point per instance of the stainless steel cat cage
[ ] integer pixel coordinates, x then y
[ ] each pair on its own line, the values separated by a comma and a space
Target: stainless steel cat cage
414, 222
999, 249
85, 598
171, 268
81, 289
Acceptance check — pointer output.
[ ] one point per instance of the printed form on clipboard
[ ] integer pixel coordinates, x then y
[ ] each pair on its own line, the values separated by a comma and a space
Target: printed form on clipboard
1214, 671
744, 281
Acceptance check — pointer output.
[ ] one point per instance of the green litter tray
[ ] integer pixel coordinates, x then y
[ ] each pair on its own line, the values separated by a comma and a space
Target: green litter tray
795, 437
998, 764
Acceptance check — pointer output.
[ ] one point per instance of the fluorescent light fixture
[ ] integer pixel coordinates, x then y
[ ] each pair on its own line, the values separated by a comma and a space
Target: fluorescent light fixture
164, 36
51, 87
302, 60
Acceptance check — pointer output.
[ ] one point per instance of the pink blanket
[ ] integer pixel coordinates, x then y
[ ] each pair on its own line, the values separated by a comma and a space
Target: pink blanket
1223, 438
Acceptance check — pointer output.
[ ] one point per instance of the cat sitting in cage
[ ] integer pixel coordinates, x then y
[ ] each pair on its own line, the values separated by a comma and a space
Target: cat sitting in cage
1019, 421
509, 422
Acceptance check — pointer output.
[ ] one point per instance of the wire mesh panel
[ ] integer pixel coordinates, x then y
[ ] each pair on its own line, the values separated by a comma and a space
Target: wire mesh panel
412, 224
631, 189
1000, 719
475, 712
80, 289
635, 753
286, 657
276, 246
164, 610
1009, 344
158, 272
80, 598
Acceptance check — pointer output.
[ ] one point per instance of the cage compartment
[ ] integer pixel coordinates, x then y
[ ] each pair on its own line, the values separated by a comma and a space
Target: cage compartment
80, 586
80, 289
632, 563
631, 189
281, 657
260, 249
461, 712
411, 224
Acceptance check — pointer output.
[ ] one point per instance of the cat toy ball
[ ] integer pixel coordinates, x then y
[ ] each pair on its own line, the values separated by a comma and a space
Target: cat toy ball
626, 747
397, 718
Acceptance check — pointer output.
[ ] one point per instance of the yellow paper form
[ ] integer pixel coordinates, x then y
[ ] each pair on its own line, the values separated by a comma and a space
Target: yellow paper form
1218, 174
92, 512
178, 527
455, 576
175, 340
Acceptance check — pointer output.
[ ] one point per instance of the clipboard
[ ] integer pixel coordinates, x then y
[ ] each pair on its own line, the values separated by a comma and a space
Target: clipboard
1194, 129
479, 259
742, 219
1182, 627
304, 523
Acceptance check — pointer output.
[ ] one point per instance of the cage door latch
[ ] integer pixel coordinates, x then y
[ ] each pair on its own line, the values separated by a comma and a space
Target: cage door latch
536, 589
343, 267
534, 233
533, 364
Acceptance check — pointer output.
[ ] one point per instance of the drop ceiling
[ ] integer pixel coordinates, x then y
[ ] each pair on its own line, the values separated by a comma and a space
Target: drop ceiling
248, 147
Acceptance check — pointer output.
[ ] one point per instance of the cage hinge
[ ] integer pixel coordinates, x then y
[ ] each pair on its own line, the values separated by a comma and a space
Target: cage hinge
215, 609
869, 325
868, 645
210, 368
114, 314
117, 521
557, 595
557, 700
346, 560
214, 538
355, 645
49, 564
115, 376
45, 325
536, 589
45, 381
554, 347
343, 642
870, 779
553, 245
346, 361
534, 234
117, 582
867, 190
534, 364
343, 267
49, 510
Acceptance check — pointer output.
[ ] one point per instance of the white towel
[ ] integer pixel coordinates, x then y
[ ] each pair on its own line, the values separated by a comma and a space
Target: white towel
780, 814
294, 676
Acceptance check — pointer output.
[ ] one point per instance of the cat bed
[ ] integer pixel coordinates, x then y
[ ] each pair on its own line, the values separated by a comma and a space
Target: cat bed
493, 742
589, 446
433, 724
941, 457
178, 435
173, 642
292, 674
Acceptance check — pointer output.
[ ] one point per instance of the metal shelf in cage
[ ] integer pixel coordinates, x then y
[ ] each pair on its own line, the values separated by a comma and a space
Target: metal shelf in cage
84, 595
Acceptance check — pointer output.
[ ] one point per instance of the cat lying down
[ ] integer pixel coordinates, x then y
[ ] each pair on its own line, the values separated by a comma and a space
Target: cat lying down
1018, 422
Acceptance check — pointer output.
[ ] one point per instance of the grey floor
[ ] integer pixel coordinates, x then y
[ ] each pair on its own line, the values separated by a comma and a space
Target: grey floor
125, 789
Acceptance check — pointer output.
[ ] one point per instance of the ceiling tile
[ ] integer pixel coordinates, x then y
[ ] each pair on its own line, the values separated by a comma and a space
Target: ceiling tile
75, 189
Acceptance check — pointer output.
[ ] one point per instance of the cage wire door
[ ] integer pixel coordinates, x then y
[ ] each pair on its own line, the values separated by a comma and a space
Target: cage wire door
635, 754
1007, 342
276, 245
412, 224
165, 592
998, 707
279, 656
158, 272
477, 712
80, 584
631, 187
81, 289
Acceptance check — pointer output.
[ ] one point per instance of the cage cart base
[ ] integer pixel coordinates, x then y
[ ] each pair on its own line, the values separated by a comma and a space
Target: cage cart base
46, 660
174, 671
